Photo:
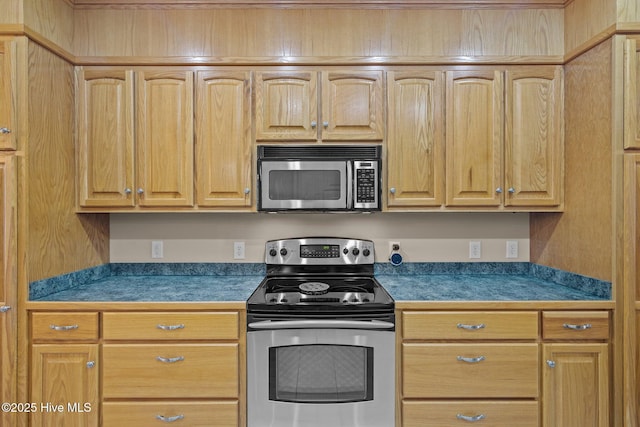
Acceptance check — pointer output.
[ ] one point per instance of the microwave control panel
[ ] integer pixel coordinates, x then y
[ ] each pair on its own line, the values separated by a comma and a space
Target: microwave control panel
366, 187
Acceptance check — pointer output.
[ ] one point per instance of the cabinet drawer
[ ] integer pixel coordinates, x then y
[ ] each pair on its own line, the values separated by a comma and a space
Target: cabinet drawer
64, 326
471, 325
461, 413
469, 370
165, 371
581, 325
171, 326
193, 414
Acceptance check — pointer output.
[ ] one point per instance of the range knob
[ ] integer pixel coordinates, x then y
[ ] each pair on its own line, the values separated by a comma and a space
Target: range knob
355, 251
283, 251
273, 252
366, 252
345, 251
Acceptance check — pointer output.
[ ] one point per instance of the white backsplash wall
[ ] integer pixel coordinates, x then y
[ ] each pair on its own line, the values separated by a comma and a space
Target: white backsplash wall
423, 237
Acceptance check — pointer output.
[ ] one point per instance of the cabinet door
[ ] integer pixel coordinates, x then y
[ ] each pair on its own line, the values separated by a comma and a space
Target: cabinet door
415, 144
64, 385
352, 105
104, 111
164, 138
533, 139
474, 137
287, 106
7, 94
576, 385
632, 94
224, 155
8, 287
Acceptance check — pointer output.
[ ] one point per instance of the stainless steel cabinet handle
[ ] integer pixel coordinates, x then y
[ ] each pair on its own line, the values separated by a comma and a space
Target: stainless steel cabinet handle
392, 190
63, 328
551, 363
499, 190
325, 124
247, 190
471, 359
314, 124
127, 191
471, 327
573, 327
511, 190
170, 327
91, 364
169, 359
169, 419
473, 419
5, 130
5, 308
140, 191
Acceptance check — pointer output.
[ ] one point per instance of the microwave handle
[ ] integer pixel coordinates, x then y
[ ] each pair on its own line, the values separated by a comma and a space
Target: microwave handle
350, 185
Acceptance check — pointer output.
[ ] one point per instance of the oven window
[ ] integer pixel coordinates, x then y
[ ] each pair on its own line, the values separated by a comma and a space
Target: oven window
304, 185
321, 373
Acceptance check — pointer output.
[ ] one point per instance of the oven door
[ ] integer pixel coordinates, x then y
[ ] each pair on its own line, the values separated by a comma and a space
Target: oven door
305, 185
319, 377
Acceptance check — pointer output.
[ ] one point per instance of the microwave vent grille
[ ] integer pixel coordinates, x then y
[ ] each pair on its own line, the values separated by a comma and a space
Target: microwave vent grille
365, 152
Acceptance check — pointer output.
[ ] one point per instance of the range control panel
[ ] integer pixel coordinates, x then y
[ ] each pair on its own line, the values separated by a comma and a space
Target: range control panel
319, 251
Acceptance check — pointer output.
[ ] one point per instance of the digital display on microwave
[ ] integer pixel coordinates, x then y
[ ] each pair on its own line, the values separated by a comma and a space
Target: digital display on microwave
304, 185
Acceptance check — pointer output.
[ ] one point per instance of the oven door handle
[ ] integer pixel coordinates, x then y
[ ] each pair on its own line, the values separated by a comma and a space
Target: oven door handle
321, 324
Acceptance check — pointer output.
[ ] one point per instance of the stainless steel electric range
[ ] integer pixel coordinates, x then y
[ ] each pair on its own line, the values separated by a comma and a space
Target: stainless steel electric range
320, 338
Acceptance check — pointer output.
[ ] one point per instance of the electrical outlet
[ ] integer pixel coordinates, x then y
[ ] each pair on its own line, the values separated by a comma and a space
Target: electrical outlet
512, 249
238, 250
157, 249
475, 250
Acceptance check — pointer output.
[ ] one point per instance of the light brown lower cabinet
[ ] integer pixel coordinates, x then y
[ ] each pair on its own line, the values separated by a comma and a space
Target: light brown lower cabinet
191, 413
64, 385
141, 368
462, 413
504, 368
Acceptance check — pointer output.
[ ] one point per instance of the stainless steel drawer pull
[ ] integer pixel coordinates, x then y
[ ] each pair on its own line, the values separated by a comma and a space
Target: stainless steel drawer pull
91, 364
64, 328
551, 363
471, 327
171, 327
169, 419
473, 419
471, 359
169, 359
5, 308
573, 327
5, 130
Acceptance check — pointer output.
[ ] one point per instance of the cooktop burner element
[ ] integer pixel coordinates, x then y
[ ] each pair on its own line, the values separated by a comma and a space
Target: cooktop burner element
312, 276
314, 288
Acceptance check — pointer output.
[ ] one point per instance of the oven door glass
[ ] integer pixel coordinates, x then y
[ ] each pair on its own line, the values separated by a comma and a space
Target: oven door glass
321, 373
304, 185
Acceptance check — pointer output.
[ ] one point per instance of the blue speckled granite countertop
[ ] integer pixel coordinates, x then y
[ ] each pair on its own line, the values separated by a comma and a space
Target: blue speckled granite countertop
236, 282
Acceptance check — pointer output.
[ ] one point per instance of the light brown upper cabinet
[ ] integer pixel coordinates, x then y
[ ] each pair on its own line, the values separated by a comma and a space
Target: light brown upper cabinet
632, 94
534, 143
152, 167
7, 94
415, 144
223, 129
164, 138
104, 104
505, 138
474, 137
350, 104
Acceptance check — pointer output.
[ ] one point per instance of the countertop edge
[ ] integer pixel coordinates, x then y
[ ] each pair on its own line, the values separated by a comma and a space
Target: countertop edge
241, 305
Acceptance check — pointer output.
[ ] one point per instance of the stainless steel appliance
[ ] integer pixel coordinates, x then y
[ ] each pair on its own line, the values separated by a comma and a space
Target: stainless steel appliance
320, 338
319, 178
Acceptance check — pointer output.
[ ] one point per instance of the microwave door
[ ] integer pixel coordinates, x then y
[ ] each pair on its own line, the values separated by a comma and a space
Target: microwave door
304, 185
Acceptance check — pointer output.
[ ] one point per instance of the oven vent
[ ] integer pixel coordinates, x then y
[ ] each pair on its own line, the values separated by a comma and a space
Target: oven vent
292, 152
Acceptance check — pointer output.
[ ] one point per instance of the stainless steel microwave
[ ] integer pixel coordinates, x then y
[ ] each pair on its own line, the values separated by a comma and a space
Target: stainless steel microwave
319, 178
